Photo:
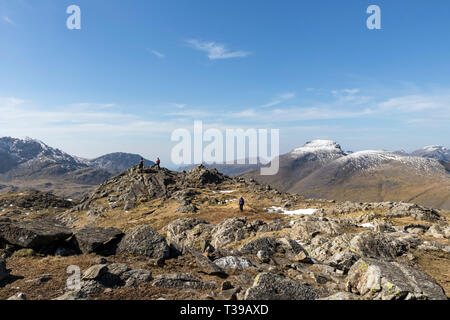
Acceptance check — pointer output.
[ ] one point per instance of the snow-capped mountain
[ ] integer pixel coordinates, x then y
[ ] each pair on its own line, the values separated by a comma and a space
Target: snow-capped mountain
28, 153
322, 149
433, 152
31, 163
320, 169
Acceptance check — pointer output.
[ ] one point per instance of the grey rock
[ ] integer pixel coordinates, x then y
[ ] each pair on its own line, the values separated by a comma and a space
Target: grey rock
263, 256
136, 276
74, 295
184, 281
233, 262
144, 240
97, 240
268, 244
375, 244
385, 280
206, 265
117, 269
39, 234
269, 286
188, 231
342, 296
95, 272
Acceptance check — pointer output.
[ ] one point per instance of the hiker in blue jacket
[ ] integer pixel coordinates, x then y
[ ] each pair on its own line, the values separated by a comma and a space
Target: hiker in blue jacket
241, 204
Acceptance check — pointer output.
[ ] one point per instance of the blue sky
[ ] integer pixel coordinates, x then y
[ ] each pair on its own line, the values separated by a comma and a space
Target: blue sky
137, 70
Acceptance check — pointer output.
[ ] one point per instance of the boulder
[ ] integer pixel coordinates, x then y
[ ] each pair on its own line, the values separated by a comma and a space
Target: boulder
435, 232
188, 232
234, 263
376, 244
184, 281
97, 240
228, 231
386, 280
305, 230
267, 244
95, 272
135, 277
39, 234
144, 240
117, 269
269, 286
205, 265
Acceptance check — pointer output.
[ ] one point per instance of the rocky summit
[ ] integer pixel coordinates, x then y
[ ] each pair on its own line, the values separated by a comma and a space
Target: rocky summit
161, 234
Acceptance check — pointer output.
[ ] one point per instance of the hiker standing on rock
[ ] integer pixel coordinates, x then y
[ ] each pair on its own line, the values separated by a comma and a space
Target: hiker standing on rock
141, 164
241, 204
158, 162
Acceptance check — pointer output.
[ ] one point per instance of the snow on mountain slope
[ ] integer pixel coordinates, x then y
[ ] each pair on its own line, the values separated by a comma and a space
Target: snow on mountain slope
323, 150
363, 160
433, 152
30, 152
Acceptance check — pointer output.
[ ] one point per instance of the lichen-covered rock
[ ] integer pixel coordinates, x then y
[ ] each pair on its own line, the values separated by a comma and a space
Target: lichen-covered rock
307, 229
184, 281
144, 240
232, 262
205, 265
385, 280
135, 277
267, 244
378, 245
269, 286
228, 231
188, 232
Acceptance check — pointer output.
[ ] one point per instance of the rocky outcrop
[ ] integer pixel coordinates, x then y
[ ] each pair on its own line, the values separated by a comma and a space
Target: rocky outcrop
266, 244
40, 235
310, 227
97, 240
188, 231
384, 280
375, 244
269, 286
144, 240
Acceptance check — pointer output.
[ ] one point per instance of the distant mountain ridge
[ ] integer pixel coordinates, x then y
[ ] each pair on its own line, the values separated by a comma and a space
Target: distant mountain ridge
433, 152
31, 163
320, 169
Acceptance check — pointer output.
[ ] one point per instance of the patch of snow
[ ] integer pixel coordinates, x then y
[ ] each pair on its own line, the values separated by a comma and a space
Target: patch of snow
367, 225
323, 149
281, 210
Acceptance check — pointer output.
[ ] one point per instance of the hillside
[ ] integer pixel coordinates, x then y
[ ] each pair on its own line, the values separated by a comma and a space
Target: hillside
163, 234
325, 171
31, 164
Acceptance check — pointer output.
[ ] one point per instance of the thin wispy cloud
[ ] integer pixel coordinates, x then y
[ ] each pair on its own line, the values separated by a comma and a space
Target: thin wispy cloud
158, 54
179, 105
215, 50
8, 20
280, 99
